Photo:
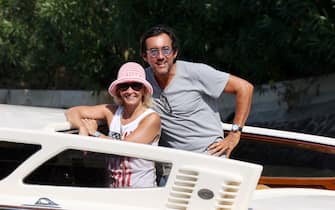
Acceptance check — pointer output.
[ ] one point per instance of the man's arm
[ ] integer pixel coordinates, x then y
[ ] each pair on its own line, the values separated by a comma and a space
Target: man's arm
243, 91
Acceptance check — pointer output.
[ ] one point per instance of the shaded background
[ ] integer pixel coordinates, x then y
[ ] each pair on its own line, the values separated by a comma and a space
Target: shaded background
79, 45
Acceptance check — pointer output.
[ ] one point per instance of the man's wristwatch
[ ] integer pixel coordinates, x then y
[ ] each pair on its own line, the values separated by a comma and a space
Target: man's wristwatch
235, 128
97, 134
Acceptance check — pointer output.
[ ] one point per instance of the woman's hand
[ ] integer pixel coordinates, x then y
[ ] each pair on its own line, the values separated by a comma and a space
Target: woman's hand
90, 125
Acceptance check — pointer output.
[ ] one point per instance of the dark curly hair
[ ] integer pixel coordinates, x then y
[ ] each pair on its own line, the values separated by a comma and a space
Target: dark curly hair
155, 31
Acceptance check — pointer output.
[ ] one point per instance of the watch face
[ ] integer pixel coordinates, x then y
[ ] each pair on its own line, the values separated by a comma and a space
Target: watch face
234, 128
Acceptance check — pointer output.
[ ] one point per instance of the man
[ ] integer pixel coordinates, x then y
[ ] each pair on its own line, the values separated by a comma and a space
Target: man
186, 96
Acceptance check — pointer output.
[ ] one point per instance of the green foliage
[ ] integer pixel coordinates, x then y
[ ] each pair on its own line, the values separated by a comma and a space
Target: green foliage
76, 44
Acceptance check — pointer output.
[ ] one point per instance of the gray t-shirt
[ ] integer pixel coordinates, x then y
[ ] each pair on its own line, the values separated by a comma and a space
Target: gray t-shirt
189, 107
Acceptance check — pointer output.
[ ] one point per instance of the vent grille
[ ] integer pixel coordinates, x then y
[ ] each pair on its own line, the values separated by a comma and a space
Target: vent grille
227, 195
182, 189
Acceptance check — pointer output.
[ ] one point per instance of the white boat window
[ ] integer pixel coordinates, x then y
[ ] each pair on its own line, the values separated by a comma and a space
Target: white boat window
13, 154
76, 169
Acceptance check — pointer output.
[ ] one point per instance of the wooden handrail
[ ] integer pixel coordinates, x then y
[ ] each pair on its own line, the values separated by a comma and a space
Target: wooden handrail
309, 182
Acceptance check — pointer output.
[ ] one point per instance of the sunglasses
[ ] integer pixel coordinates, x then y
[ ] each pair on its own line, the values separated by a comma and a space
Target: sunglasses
154, 52
134, 85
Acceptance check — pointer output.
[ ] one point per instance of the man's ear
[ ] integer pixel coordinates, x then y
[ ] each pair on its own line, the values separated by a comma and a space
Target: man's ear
175, 53
144, 56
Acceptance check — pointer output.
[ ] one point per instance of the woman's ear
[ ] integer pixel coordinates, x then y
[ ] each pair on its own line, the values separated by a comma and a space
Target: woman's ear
145, 92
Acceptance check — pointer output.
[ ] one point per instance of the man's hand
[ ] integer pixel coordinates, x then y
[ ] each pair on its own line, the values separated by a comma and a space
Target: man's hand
225, 146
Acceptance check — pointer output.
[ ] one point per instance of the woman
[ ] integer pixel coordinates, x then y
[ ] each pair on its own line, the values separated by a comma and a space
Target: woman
131, 119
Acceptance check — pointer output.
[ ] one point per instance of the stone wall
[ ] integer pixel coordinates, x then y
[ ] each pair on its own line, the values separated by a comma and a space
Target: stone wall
308, 106
303, 105
53, 98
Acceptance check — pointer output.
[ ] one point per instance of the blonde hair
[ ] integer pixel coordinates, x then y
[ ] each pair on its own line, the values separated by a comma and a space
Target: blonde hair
146, 99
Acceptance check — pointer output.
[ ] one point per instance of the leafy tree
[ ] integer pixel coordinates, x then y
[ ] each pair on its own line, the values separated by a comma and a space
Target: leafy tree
75, 44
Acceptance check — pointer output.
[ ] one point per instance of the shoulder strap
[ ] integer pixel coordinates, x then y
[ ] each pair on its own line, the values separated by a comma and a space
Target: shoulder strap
115, 126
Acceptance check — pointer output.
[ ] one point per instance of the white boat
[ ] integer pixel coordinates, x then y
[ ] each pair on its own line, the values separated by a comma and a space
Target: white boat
45, 165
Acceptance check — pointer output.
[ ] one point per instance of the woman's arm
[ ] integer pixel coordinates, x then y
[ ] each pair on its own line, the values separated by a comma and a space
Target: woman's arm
147, 131
77, 114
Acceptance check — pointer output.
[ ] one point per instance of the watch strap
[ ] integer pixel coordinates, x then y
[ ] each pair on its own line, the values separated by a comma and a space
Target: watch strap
236, 128
97, 134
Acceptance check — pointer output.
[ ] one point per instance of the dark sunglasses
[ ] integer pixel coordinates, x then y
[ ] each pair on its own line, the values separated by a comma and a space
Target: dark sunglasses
134, 85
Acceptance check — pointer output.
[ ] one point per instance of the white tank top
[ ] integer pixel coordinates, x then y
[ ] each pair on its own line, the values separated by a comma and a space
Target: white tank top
127, 171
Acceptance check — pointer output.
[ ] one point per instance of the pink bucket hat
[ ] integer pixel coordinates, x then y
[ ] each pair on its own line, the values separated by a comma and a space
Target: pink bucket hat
130, 72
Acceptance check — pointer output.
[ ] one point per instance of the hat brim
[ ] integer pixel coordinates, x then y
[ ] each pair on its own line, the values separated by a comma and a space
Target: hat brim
113, 87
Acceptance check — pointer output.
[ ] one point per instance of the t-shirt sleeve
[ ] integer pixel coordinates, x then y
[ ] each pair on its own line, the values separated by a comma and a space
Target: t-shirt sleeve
209, 80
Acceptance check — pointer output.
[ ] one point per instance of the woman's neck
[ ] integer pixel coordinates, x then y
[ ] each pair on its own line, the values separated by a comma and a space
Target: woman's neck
130, 112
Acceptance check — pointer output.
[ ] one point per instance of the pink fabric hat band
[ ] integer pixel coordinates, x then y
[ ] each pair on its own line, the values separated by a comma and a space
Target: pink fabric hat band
130, 72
